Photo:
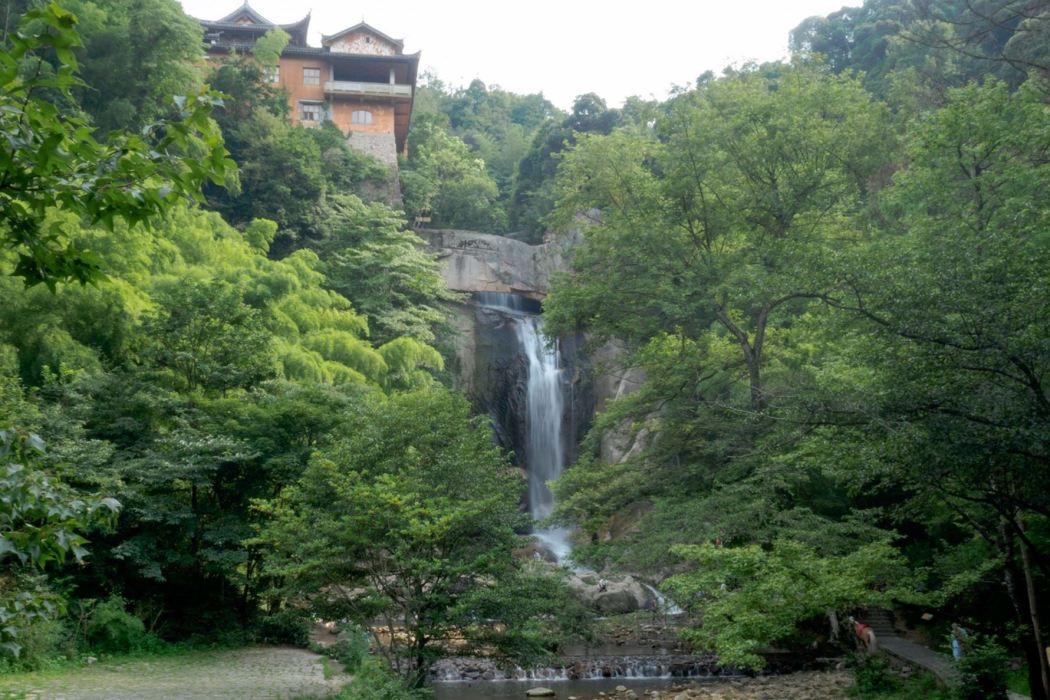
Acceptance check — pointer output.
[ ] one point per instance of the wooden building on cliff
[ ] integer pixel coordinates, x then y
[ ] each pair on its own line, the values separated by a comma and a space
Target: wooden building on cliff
359, 78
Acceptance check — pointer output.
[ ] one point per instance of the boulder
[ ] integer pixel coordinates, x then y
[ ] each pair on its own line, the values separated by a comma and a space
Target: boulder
539, 693
621, 594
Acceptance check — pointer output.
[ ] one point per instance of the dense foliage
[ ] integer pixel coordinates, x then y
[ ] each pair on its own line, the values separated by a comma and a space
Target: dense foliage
191, 393
222, 412
839, 308
52, 159
409, 519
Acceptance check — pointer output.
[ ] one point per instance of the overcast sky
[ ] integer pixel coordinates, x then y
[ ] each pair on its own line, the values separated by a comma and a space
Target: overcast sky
562, 48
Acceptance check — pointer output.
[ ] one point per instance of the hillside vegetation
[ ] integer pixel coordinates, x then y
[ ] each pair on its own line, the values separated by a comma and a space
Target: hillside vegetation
224, 404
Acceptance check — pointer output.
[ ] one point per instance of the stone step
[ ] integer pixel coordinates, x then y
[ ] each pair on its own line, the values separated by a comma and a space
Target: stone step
880, 621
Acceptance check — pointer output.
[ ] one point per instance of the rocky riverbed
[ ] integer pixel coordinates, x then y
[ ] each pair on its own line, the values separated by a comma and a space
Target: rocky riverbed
813, 685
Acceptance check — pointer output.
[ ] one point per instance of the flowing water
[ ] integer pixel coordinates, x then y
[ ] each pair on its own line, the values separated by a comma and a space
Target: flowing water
544, 408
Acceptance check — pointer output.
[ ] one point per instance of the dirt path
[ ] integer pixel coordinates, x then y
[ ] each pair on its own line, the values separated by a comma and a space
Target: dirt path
259, 673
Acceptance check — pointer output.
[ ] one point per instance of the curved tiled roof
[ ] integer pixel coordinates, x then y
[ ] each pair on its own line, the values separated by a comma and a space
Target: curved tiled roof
256, 24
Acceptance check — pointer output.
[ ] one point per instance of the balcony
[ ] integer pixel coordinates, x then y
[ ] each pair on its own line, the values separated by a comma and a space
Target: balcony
361, 89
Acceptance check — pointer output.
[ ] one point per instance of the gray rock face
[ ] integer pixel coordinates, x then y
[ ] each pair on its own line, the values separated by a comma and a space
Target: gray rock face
483, 262
614, 379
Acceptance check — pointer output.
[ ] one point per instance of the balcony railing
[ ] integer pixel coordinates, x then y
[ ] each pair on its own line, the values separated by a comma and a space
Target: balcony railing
353, 87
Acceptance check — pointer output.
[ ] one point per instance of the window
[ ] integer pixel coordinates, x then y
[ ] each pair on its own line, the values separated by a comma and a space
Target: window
311, 113
273, 75
311, 76
360, 116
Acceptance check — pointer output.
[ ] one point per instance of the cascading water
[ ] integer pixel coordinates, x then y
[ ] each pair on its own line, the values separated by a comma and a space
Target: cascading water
545, 412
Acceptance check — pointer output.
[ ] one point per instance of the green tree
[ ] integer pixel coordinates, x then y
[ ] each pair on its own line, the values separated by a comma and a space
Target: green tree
41, 522
208, 338
442, 179
955, 332
752, 598
54, 161
726, 217
135, 55
371, 257
533, 198
409, 521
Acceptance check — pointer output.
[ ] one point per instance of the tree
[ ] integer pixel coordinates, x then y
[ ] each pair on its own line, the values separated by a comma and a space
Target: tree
442, 179
41, 522
955, 326
408, 521
752, 598
371, 257
208, 338
534, 194
135, 55
54, 161
726, 217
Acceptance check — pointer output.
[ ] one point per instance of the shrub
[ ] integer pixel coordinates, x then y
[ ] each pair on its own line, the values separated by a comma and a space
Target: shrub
873, 674
983, 670
111, 629
352, 649
375, 681
288, 626
41, 642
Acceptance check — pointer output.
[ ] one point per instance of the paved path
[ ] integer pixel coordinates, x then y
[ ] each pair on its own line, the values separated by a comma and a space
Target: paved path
258, 673
937, 664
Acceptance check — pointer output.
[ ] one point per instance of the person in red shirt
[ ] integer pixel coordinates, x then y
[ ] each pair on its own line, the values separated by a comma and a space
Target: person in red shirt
865, 636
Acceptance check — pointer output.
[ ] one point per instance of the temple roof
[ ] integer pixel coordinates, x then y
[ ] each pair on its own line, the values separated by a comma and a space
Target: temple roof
363, 27
245, 12
246, 20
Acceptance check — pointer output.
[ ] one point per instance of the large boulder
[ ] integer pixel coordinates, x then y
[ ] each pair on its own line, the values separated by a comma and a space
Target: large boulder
612, 595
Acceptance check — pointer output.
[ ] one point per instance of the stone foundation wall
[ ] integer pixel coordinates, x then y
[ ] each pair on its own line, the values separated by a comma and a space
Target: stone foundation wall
383, 148
380, 146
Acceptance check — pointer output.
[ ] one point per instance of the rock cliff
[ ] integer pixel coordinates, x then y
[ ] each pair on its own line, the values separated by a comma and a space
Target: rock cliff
483, 262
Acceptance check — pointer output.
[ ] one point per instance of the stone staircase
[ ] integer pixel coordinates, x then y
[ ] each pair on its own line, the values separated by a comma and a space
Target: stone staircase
880, 622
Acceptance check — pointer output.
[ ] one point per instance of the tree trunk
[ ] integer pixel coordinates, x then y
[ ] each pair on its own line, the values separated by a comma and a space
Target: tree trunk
752, 353
1031, 648
1033, 610
754, 374
420, 676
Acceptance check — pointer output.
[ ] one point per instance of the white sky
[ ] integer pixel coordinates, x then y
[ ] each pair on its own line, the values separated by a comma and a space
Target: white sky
565, 48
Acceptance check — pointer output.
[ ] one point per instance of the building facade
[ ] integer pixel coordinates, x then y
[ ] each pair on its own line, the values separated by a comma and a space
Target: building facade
359, 78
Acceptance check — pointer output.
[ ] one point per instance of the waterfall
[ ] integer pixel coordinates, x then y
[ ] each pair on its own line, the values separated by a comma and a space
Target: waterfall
663, 604
544, 411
